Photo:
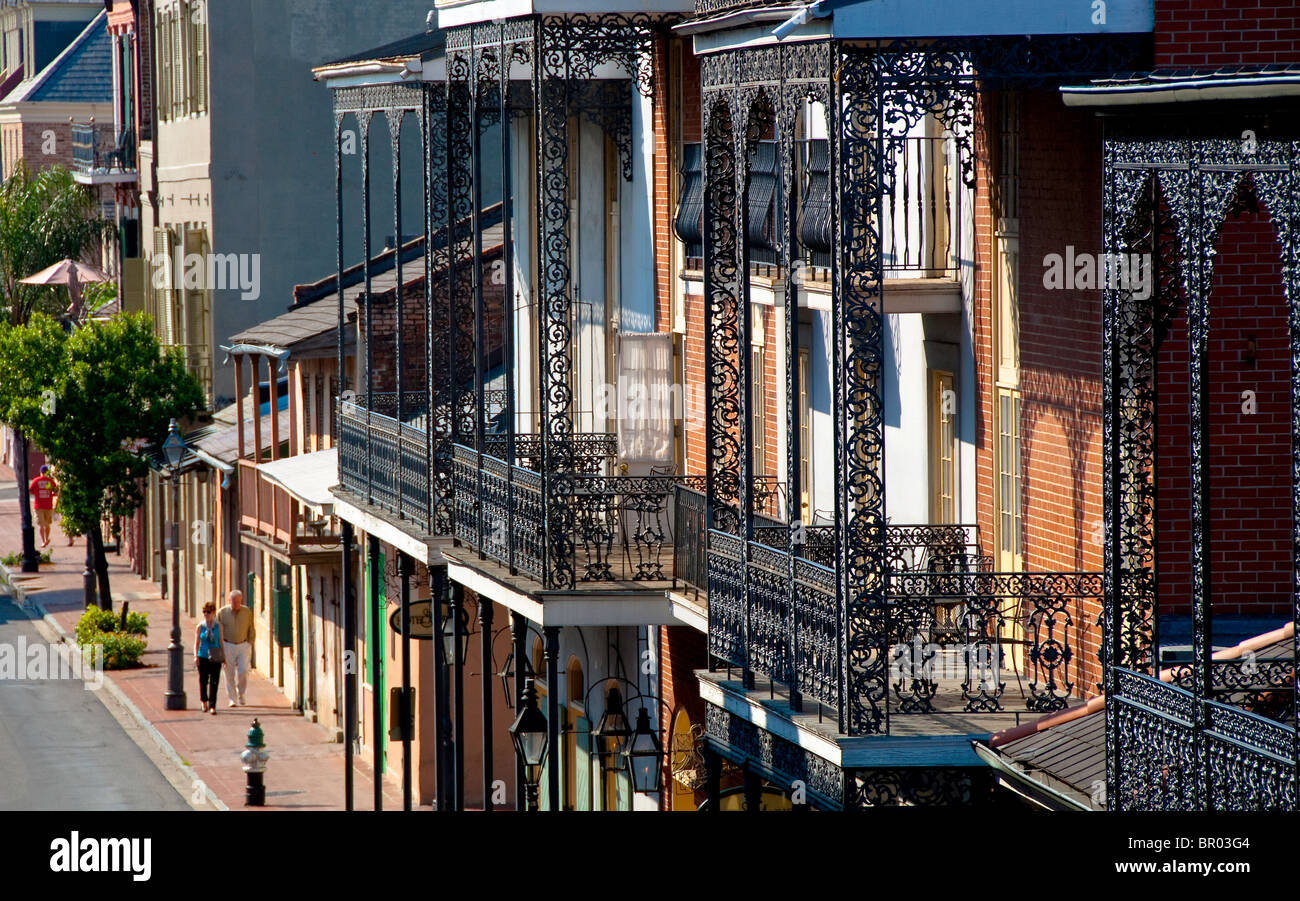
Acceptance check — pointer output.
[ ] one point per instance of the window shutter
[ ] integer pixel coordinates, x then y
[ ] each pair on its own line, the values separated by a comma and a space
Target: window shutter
200, 42
164, 61
194, 297
180, 100
162, 257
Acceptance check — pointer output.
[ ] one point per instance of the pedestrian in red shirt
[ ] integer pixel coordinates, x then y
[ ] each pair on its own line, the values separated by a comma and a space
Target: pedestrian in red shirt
43, 489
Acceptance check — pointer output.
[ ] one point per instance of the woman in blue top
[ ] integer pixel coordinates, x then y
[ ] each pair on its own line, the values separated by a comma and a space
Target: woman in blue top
207, 645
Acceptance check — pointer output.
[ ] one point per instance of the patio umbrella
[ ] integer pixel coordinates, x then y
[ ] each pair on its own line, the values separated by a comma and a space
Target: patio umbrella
72, 273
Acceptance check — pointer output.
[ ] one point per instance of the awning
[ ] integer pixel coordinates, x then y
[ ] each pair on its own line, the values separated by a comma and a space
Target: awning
308, 477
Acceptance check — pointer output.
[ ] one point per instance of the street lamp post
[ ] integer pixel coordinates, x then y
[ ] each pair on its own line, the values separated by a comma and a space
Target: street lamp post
173, 451
529, 734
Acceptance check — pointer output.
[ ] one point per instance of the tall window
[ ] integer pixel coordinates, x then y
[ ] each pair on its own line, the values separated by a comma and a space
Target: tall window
758, 406
1009, 479
805, 436
183, 60
1006, 337
943, 435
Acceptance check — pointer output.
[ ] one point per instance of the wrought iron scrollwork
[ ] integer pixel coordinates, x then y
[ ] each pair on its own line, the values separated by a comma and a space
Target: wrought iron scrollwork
1190, 747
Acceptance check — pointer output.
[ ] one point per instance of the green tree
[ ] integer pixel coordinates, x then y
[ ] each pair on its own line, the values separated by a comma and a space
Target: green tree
45, 216
91, 399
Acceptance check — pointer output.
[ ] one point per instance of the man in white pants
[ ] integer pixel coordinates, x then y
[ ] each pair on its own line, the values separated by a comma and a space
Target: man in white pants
237, 634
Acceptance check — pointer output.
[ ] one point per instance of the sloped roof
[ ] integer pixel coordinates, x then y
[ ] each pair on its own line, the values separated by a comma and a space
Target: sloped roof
404, 48
82, 73
224, 444
293, 327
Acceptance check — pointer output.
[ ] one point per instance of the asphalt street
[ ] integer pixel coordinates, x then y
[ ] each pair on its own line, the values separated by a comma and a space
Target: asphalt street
61, 748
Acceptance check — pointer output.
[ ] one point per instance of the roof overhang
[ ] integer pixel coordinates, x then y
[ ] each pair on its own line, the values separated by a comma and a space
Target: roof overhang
307, 477
1191, 89
453, 13
1015, 778
893, 19
866, 19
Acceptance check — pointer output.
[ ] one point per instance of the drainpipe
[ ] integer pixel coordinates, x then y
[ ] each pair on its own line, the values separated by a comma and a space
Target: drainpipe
818, 10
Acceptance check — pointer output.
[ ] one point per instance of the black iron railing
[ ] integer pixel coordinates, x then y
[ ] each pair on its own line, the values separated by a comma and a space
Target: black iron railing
592, 453
952, 632
689, 524
1261, 683
1178, 753
91, 155
385, 461
621, 526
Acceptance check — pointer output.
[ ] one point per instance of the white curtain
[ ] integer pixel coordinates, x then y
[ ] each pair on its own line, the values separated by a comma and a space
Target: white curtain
645, 398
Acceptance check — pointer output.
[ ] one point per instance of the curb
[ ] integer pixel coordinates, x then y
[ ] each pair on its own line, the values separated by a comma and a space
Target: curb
6, 581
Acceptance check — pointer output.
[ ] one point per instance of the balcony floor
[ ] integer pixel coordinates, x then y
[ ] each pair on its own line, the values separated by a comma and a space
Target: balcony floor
620, 603
943, 738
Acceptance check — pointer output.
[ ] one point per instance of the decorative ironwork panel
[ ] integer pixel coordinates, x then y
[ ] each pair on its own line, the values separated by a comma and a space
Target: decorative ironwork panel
1169, 188
973, 612
777, 760
858, 331
816, 626
767, 598
920, 787
722, 319
1157, 742
726, 599
377, 98
1251, 761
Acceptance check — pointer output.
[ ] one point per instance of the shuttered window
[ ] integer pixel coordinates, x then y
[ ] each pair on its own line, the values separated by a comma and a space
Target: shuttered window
199, 58
164, 63
163, 281
180, 98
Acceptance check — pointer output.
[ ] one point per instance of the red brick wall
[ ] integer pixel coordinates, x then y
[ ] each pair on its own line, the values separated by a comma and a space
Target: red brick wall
1060, 351
384, 322
1249, 454
1213, 33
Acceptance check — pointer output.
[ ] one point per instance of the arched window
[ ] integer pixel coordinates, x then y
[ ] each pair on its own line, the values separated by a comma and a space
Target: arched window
685, 765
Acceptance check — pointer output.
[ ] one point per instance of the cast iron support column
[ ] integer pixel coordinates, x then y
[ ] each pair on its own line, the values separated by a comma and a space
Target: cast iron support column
508, 295
405, 566
349, 662
794, 512
744, 432
552, 634
519, 641
363, 123
485, 655
376, 650
713, 779
442, 724
457, 605
480, 347
753, 790
1196, 279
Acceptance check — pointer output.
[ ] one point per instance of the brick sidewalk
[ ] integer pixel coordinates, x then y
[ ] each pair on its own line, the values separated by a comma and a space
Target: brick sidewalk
305, 770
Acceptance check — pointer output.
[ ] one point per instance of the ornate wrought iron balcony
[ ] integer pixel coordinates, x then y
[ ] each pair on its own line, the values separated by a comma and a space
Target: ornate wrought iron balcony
617, 528
949, 637
386, 461
1185, 753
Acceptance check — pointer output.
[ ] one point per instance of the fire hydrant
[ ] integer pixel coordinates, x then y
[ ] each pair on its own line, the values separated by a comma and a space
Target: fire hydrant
254, 760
